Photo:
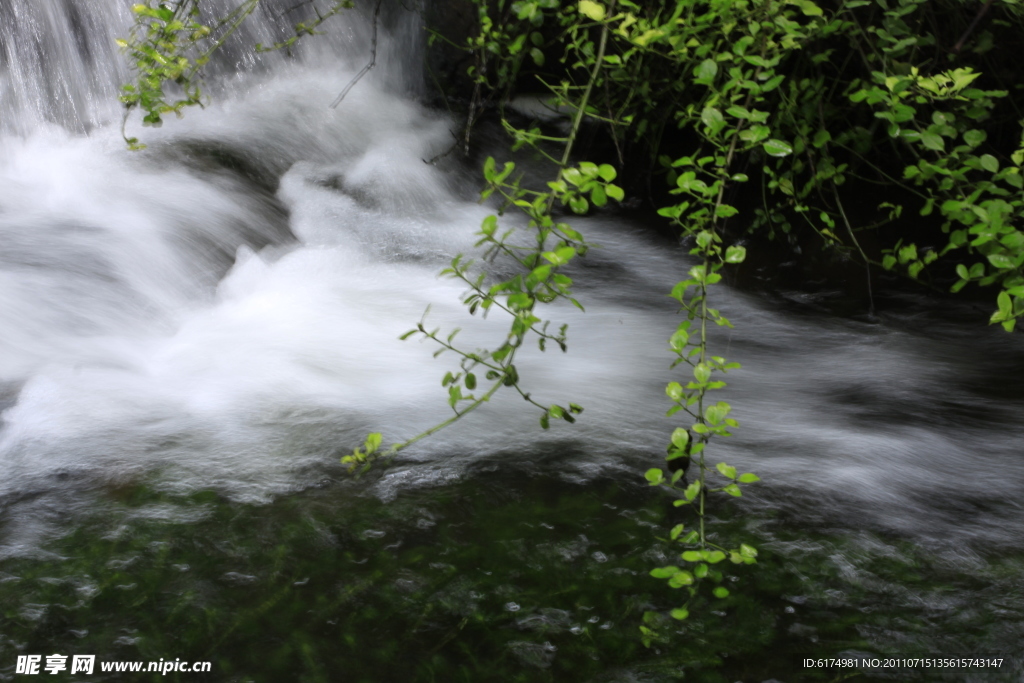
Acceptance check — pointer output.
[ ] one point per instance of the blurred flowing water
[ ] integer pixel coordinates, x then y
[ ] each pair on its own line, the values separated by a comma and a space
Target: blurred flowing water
219, 314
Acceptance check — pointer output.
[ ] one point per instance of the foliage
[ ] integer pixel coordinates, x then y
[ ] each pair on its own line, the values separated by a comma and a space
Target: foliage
170, 44
540, 280
157, 48
589, 31
978, 196
868, 92
789, 106
797, 94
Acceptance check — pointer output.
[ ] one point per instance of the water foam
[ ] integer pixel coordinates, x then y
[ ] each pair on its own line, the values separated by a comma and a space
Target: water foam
222, 311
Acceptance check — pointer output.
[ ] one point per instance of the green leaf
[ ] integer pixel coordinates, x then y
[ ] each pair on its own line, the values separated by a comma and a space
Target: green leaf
908, 253
680, 579
713, 119
1005, 304
489, 225
647, 36
680, 437
592, 10
538, 275
777, 148
607, 172
975, 137
702, 372
727, 471
989, 163
693, 490
755, 134
654, 476
1001, 261
679, 614
692, 556
809, 8
716, 413
735, 254
733, 490
560, 256
721, 592
615, 192
707, 70
674, 390
677, 342
713, 556
933, 141
665, 572
373, 442
748, 478
674, 454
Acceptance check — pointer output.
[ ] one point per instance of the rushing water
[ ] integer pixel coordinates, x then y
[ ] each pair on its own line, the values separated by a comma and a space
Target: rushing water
191, 335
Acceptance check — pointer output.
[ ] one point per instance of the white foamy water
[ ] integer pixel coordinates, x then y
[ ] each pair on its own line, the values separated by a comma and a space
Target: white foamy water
223, 309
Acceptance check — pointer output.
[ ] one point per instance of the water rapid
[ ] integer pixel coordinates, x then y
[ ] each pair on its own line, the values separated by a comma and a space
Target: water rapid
221, 312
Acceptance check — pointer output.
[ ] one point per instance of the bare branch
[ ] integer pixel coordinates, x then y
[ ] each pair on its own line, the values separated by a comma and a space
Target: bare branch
365, 69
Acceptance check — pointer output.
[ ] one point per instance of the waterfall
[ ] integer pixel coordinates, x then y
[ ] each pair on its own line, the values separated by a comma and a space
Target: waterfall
60, 63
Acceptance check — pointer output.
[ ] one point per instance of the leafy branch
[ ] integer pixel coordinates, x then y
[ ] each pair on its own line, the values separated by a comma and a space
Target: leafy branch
540, 280
169, 45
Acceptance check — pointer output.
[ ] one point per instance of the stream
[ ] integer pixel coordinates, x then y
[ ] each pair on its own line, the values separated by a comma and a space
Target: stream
191, 336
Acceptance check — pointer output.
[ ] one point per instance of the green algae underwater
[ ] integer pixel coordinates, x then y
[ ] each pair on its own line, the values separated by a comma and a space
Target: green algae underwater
503, 576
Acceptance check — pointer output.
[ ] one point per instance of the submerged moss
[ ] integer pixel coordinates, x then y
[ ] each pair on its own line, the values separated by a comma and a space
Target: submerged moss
500, 577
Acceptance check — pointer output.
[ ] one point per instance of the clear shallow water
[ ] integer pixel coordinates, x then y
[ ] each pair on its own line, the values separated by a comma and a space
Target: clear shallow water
192, 335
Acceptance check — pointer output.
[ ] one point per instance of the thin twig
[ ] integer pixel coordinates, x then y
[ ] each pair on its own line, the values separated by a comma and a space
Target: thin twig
474, 102
867, 262
970, 29
295, 7
365, 69
442, 155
